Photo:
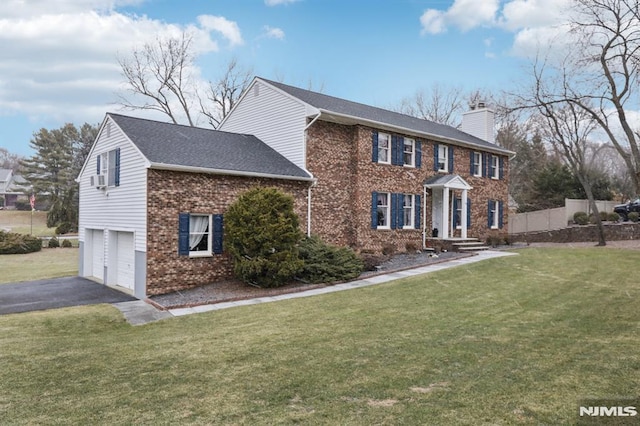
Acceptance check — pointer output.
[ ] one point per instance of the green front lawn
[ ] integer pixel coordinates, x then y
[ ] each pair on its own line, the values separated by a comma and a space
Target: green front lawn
517, 340
47, 263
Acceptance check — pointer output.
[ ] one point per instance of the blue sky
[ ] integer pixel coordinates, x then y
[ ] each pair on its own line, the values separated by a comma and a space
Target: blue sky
59, 58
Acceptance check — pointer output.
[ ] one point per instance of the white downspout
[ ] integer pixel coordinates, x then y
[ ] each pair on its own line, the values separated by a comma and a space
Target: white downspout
315, 181
424, 218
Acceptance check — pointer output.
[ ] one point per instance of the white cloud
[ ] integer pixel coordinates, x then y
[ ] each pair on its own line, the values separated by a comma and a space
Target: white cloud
276, 33
463, 14
59, 59
228, 29
278, 2
519, 14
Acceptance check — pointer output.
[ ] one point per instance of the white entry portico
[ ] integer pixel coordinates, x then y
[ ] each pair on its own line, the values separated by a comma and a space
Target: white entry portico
441, 187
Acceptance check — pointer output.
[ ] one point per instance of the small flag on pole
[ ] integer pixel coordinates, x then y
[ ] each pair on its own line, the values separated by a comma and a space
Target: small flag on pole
32, 201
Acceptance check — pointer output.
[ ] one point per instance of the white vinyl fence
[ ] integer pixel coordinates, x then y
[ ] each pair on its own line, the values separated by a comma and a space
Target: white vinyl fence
558, 218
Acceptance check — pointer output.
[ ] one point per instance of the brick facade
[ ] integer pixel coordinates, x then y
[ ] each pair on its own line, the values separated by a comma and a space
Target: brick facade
340, 157
171, 193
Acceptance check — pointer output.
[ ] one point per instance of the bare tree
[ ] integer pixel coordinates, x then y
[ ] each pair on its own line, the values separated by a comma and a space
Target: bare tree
568, 128
438, 103
600, 74
160, 73
225, 92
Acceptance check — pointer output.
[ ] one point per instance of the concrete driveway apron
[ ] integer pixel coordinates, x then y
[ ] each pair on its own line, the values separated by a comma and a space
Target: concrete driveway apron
56, 293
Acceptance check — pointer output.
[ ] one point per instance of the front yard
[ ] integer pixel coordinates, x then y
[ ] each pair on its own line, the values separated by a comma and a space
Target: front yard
47, 263
516, 340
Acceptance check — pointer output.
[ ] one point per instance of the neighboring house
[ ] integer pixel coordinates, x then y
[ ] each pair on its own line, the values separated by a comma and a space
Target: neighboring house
383, 178
153, 195
12, 188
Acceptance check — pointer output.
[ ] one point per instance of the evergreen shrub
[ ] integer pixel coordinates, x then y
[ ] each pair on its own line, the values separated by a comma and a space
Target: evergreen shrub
325, 263
262, 235
634, 216
12, 243
580, 218
54, 243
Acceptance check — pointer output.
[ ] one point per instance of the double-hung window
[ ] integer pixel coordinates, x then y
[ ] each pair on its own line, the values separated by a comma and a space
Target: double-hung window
495, 167
494, 219
200, 235
109, 167
443, 158
384, 210
408, 211
409, 154
477, 164
384, 148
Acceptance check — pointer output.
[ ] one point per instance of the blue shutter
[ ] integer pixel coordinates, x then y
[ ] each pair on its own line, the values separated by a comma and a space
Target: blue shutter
374, 210
489, 215
394, 150
98, 164
418, 154
455, 212
468, 213
500, 214
218, 233
436, 148
417, 207
471, 163
484, 165
394, 211
183, 234
117, 166
400, 151
400, 211
450, 159
501, 174
374, 143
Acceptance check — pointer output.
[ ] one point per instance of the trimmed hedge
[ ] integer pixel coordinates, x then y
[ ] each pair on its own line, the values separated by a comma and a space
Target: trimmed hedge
325, 263
12, 243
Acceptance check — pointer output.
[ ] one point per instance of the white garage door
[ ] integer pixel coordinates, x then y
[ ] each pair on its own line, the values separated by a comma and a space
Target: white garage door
125, 260
97, 253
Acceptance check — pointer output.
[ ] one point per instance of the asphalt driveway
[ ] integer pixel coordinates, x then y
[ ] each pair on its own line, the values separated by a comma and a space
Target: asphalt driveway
56, 293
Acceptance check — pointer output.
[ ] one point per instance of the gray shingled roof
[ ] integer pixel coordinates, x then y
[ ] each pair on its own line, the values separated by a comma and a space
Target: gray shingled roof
184, 146
379, 115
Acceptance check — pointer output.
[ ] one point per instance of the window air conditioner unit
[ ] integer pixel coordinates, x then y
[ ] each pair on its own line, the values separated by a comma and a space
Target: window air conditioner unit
98, 181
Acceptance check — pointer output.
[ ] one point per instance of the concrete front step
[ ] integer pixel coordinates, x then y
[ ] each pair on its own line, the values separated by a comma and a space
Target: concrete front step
470, 245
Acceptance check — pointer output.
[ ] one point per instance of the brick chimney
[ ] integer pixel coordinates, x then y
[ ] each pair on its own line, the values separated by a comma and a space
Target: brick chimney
479, 121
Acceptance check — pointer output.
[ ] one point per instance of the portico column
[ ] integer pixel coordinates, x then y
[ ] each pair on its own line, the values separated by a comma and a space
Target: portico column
464, 209
445, 213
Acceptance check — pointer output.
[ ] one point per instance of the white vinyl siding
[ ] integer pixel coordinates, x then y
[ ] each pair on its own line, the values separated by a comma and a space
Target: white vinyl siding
121, 208
274, 117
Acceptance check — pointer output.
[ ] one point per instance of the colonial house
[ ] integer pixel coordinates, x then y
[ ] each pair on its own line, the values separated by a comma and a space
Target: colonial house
382, 178
13, 188
153, 195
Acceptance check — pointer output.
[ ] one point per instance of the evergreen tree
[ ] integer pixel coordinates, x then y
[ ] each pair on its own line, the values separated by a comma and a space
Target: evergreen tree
51, 171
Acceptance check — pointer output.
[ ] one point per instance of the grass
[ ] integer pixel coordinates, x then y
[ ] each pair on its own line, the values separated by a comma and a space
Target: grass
20, 222
47, 263
518, 340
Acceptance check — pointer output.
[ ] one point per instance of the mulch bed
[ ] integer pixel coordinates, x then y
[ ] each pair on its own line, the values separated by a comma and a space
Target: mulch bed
234, 290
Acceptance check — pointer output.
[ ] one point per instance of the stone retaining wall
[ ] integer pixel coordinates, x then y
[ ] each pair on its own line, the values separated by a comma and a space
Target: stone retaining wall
585, 233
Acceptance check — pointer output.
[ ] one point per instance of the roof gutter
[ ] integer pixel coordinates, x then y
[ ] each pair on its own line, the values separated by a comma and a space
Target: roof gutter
414, 132
192, 169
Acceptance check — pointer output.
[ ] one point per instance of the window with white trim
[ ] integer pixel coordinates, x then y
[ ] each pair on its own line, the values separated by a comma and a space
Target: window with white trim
495, 167
443, 158
493, 215
200, 235
108, 162
384, 210
111, 173
408, 210
409, 152
477, 164
384, 148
